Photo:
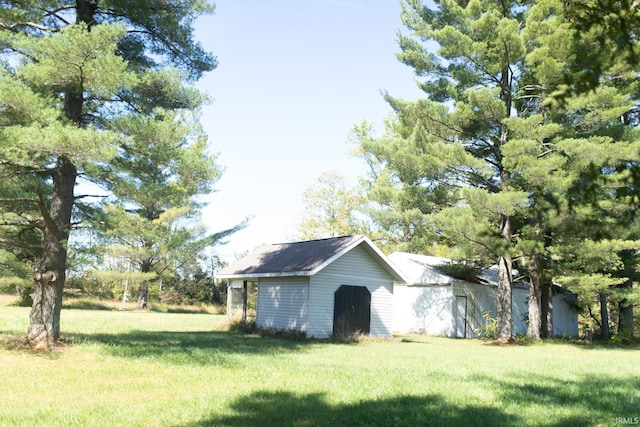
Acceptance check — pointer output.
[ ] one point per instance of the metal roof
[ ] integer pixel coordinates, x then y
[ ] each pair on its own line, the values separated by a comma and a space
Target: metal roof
304, 258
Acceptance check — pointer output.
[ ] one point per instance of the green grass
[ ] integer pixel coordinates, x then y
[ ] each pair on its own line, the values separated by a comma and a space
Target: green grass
184, 369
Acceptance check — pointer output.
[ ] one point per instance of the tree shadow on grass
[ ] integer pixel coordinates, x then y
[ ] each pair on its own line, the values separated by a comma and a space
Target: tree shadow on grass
541, 401
269, 408
588, 401
200, 348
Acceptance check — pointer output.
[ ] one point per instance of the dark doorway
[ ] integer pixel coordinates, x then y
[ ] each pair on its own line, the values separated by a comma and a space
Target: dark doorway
351, 311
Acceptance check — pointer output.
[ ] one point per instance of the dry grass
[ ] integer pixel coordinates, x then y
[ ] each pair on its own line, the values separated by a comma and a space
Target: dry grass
6, 299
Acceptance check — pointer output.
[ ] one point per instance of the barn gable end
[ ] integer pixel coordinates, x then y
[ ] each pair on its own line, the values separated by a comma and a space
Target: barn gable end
355, 268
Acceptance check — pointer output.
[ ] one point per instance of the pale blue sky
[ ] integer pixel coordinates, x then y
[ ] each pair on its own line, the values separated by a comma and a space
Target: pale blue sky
293, 78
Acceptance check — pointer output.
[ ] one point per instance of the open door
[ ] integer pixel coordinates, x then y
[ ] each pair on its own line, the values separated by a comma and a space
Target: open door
351, 311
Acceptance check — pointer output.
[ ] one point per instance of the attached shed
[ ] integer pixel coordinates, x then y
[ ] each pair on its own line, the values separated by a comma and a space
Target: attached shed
436, 303
325, 287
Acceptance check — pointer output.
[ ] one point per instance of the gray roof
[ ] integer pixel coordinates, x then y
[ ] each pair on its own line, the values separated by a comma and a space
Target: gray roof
303, 258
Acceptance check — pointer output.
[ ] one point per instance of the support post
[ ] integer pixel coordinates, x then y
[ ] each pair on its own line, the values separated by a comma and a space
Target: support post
244, 302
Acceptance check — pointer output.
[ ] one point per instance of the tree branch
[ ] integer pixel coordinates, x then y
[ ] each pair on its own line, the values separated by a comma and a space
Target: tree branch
83, 196
42, 206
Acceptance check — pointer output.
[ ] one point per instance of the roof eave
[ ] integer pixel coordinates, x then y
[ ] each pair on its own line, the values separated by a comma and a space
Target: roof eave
431, 285
262, 275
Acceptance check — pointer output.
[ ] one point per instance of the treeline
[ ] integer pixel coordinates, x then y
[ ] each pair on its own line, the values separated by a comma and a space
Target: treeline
524, 153
199, 290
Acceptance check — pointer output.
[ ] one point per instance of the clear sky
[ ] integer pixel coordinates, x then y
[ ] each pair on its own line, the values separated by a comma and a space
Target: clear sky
294, 76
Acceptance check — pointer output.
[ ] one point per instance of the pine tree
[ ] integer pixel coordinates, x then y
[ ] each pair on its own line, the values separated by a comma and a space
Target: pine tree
469, 57
494, 165
152, 218
79, 69
576, 163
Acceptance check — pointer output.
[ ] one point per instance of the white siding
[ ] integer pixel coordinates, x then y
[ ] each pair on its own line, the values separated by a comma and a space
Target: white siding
423, 309
429, 309
519, 310
355, 268
283, 303
565, 315
480, 299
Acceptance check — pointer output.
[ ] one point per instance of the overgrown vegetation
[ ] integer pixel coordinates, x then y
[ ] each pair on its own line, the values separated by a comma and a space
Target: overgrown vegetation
489, 330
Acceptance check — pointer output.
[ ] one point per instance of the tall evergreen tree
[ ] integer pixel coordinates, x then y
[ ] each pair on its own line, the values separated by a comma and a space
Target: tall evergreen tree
88, 65
577, 163
492, 163
156, 182
459, 131
616, 24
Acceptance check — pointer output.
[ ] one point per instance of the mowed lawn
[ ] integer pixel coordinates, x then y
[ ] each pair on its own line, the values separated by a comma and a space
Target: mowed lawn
163, 369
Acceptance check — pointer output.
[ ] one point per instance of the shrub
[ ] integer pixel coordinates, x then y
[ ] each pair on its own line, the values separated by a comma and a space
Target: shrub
287, 334
22, 288
489, 330
237, 325
170, 297
88, 287
86, 304
24, 294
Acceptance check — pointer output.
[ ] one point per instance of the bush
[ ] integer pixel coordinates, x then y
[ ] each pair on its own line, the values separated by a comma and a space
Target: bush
22, 288
24, 294
170, 297
287, 334
88, 287
87, 304
237, 325
489, 330
624, 338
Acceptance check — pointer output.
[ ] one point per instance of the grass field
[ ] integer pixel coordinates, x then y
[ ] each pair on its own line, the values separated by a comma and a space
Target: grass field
177, 369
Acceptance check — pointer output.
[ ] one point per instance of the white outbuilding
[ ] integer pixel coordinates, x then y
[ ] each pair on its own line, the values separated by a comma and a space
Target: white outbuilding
345, 285
337, 286
435, 303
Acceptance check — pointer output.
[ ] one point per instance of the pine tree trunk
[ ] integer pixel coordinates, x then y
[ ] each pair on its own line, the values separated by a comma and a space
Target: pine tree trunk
505, 263
625, 324
546, 306
625, 310
143, 295
143, 290
604, 315
504, 286
533, 329
44, 320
